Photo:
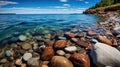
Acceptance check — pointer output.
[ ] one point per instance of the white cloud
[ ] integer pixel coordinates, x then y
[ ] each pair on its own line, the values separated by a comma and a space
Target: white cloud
23, 10
86, 2
60, 7
66, 5
63, 0
2, 3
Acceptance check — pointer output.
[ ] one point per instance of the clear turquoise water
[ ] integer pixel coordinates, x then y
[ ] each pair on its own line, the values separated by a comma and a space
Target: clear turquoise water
13, 25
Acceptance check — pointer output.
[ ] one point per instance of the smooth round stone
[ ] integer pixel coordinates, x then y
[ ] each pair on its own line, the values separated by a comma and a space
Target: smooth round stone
71, 49
62, 38
8, 53
60, 52
23, 65
32, 62
27, 56
44, 66
59, 44
60, 61
4, 60
26, 46
22, 37
18, 62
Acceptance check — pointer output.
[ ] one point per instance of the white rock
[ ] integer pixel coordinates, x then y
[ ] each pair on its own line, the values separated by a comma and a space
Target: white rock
27, 56
60, 52
71, 49
104, 55
22, 37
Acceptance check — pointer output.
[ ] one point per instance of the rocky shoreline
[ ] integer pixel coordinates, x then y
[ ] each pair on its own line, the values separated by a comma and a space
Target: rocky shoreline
69, 49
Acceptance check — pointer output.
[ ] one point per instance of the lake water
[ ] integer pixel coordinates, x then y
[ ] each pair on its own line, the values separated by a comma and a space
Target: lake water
11, 26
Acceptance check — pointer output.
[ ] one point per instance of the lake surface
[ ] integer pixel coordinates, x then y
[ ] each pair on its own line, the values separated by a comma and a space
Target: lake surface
11, 26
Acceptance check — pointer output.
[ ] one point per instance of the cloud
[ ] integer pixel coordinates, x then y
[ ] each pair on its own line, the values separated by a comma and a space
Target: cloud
2, 3
80, 0
60, 7
63, 6
23, 10
66, 5
86, 2
63, 0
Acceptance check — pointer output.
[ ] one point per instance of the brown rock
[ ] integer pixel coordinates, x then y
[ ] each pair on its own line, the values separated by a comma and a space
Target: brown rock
80, 60
47, 54
18, 62
4, 60
49, 43
23, 65
26, 46
71, 35
92, 33
74, 39
81, 35
60, 61
104, 40
60, 44
32, 62
82, 43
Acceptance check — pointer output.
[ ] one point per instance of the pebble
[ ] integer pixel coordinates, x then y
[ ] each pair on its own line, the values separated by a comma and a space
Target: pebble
26, 46
18, 62
60, 61
60, 44
32, 62
22, 38
82, 43
23, 65
71, 49
8, 53
27, 56
60, 52
4, 60
71, 35
62, 38
48, 53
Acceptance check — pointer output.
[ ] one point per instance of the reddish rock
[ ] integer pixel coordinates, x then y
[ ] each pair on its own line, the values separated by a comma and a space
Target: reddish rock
92, 33
81, 35
71, 35
80, 59
23, 65
83, 43
60, 44
74, 39
47, 54
49, 43
104, 40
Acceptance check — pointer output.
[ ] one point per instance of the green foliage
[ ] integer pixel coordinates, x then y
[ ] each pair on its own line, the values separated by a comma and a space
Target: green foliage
104, 3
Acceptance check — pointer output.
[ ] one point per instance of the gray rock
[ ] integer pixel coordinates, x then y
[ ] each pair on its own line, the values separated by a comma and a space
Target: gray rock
27, 56
71, 49
22, 37
60, 52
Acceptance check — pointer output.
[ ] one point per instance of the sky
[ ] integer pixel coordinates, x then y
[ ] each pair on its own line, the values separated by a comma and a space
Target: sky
45, 6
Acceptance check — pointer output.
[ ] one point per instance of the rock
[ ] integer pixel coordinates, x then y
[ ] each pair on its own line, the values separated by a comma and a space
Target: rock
18, 62
60, 44
67, 55
62, 38
80, 35
49, 43
36, 56
80, 60
60, 52
2, 54
26, 46
60, 61
47, 54
27, 56
71, 49
74, 39
104, 40
4, 60
82, 43
32, 62
104, 55
71, 35
22, 38
44, 66
8, 53
91, 33
23, 65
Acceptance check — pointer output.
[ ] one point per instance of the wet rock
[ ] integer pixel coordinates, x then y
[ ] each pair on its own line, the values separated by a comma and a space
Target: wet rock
74, 39
62, 38
48, 53
59, 61
91, 33
44, 66
104, 40
22, 38
4, 60
8, 64
71, 49
71, 35
36, 56
60, 44
60, 52
82, 43
32, 62
18, 62
23, 65
80, 60
49, 43
8, 53
27, 56
26, 46
80, 35
2, 54
67, 55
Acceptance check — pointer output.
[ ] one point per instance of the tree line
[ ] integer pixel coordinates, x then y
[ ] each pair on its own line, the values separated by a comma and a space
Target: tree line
104, 3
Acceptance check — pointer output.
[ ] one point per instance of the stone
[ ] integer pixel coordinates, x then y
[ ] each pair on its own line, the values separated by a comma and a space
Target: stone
60, 61
71, 35
8, 53
80, 35
18, 62
74, 39
71, 49
60, 44
62, 38
2, 54
48, 53
82, 43
49, 43
32, 62
60, 52
22, 38
23, 65
67, 55
91, 33
104, 40
44, 66
80, 59
4, 60
36, 56
26, 46
27, 56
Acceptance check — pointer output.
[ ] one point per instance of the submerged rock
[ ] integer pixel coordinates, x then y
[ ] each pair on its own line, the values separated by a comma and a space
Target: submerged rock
27, 56
22, 38
60, 52
60, 61
26, 46
60, 44
71, 49
32, 62
8, 53
18, 62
